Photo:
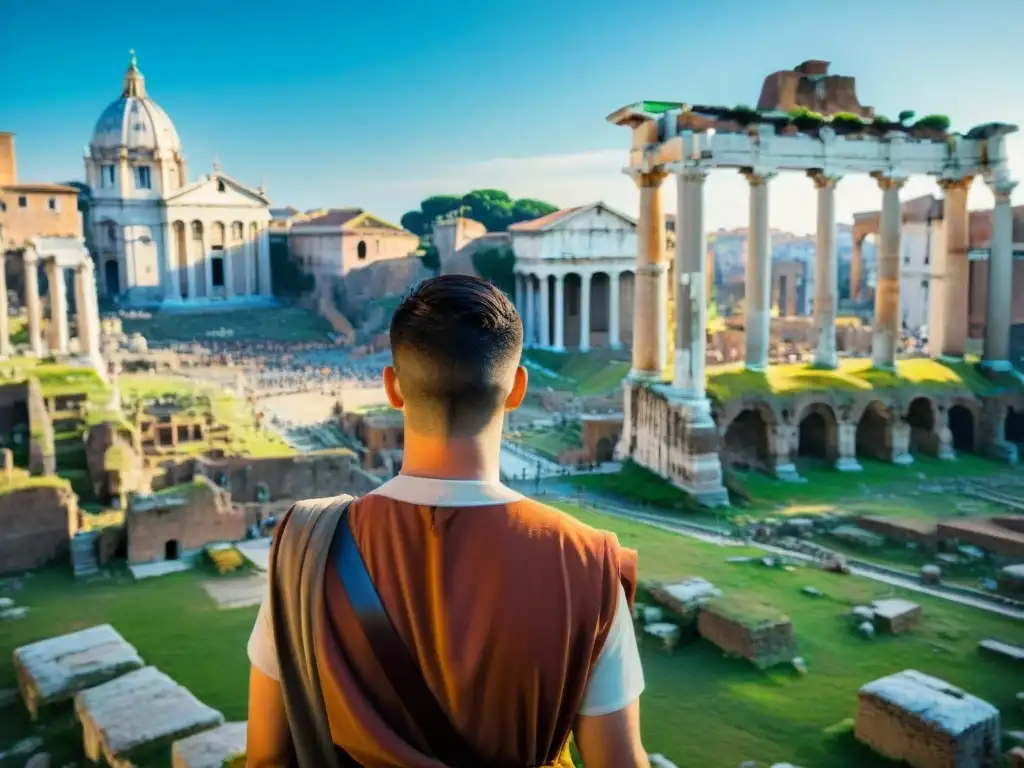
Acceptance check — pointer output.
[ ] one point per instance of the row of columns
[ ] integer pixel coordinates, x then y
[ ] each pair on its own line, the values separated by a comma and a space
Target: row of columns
649, 348
86, 308
537, 326
199, 255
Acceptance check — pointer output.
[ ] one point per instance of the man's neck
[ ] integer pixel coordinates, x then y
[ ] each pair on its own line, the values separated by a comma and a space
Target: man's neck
453, 458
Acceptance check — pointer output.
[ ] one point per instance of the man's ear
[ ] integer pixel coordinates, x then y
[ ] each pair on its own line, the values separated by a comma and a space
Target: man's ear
515, 397
392, 389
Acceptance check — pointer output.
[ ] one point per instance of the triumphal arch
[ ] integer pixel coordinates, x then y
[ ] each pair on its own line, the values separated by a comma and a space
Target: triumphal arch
807, 122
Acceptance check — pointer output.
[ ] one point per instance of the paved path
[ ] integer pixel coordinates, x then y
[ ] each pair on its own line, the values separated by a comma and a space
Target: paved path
703, 533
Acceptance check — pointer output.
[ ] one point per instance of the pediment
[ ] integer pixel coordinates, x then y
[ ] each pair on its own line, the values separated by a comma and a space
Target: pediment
220, 191
371, 222
591, 217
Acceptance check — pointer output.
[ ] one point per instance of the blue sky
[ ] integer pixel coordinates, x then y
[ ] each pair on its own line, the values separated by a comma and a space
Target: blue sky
381, 104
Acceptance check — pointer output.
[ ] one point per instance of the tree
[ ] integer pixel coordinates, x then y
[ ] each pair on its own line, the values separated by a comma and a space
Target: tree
415, 222
527, 209
431, 259
439, 205
491, 207
496, 265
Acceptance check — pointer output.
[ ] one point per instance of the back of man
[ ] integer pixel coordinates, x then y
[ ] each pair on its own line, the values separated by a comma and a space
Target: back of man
517, 616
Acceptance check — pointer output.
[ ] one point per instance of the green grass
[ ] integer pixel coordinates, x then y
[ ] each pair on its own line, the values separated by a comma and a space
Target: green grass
550, 442
598, 372
739, 713
270, 324
727, 382
56, 379
21, 481
635, 483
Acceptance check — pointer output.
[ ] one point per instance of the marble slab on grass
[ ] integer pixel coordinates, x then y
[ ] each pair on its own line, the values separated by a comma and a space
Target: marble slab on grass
210, 749
54, 670
141, 710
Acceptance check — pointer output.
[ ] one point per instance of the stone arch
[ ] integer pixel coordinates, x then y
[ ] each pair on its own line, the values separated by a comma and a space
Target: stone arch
963, 426
921, 418
874, 431
361, 250
572, 286
605, 450
746, 442
172, 549
600, 307
818, 432
112, 277
1014, 425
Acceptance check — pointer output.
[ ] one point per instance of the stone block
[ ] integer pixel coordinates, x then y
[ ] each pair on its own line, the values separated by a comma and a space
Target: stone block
1005, 650
669, 634
143, 709
54, 670
926, 723
895, 616
757, 632
854, 535
209, 749
931, 574
683, 598
660, 761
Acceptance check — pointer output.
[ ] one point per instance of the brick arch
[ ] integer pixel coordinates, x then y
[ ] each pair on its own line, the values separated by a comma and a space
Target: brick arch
963, 418
731, 410
874, 430
923, 415
746, 437
818, 431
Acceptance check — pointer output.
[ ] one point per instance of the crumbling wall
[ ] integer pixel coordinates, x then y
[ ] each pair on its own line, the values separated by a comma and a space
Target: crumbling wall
36, 523
917, 532
41, 451
984, 535
765, 644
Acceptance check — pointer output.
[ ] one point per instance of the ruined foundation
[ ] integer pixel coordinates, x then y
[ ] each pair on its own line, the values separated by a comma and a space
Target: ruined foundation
210, 749
754, 631
927, 723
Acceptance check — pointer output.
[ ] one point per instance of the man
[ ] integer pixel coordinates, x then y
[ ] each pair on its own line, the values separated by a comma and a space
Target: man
517, 615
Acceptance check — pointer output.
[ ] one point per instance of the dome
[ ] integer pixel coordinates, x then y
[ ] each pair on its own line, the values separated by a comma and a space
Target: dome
135, 121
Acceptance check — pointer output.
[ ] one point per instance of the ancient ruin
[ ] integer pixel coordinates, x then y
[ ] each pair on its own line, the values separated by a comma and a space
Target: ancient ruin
753, 631
927, 723
670, 426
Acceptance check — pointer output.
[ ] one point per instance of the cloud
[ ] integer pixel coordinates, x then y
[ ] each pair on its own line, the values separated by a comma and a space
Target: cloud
585, 177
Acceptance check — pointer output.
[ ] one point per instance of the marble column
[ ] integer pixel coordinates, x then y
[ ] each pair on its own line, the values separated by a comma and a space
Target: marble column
759, 274
847, 459
266, 288
999, 309
887, 286
207, 262
35, 320
228, 257
171, 283
559, 343
691, 300
5, 320
86, 310
58, 307
585, 279
518, 297
530, 318
193, 252
249, 254
948, 331
614, 333
826, 273
650, 287
856, 265
544, 316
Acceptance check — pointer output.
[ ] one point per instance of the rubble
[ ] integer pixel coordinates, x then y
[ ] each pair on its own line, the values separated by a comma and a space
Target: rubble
752, 630
682, 599
209, 749
931, 574
1006, 650
669, 634
895, 616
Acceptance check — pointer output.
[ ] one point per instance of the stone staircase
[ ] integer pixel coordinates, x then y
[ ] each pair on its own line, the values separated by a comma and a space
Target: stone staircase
83, 554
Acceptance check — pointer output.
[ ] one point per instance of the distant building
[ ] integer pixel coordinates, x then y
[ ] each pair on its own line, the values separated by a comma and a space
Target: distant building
32, 209
809, 85
160, 239
332, 243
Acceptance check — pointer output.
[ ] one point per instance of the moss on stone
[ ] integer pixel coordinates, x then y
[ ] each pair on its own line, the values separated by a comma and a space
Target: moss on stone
745, 611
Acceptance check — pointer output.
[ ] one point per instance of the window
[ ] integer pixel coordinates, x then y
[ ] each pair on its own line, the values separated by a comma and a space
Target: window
220, 186
107, 177
111, 233
52, 204
22, 202
3, 206
361, 250
142, 177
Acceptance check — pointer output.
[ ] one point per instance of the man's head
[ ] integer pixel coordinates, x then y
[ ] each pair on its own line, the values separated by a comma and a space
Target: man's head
455, 348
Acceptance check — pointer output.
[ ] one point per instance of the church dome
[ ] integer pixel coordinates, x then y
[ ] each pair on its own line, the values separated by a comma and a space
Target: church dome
135, 121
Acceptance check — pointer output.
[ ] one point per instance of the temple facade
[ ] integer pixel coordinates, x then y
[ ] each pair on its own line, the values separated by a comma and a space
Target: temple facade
159, 238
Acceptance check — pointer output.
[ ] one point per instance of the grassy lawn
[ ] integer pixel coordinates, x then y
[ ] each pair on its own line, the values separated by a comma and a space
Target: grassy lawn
739, 713
584, 373
265, 324
726, 382
637, 484
550, 442
56, 379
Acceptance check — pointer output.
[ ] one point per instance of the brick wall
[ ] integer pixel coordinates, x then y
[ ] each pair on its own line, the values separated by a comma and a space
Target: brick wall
765, 645
984, 535
898, 531
35, 525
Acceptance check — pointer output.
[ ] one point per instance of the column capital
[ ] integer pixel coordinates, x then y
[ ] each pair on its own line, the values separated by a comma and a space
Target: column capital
30, 255
758, 176
888, 180
647, 179
1001, 190
823, 180
948, 183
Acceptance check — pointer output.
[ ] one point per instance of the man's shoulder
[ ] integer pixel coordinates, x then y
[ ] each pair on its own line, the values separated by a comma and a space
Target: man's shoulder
537, 517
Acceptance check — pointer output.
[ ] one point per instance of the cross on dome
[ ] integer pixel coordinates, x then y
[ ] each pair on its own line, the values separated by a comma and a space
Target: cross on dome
134, 82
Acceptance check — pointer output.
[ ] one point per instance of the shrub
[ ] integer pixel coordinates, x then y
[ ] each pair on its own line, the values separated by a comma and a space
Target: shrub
881, 120
806, 119
431, 259
906, 115
933, 123
743, 114
847, 117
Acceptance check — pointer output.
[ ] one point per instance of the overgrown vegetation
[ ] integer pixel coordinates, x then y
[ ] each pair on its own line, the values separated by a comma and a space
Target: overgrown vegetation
269, 324
491, 207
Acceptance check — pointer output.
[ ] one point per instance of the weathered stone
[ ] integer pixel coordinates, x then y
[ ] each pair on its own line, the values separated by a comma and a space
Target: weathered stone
54, 670
755, 631
660, 761
895, 616
931, 574
669, 634
683, 598
653, 614
13, 614
41, 760
144, 708
1006, 650
863, 613
867, 629
926, 722
799, 665
209, 749
812, 591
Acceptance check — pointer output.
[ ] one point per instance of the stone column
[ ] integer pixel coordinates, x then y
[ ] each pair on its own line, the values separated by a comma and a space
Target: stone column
207, 263
544, 316
266, 289
559, 343
193, 252
518, 295
856, 263
901, 443
87, 312
168, 274
998, 311
229, 257
5, 321
530, 318
847, 460
782, 442
650, 326
759, 274
691, 301
826, 273
35, 324
948, 331
614, 333
585, 311
887, 287
58, 307
248, 253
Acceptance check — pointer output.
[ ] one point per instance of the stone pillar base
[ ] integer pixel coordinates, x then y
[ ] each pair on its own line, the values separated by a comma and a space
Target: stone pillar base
848, 464
903, 459
701, 463
1003, 451
786, 471
997, 366
946, 452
